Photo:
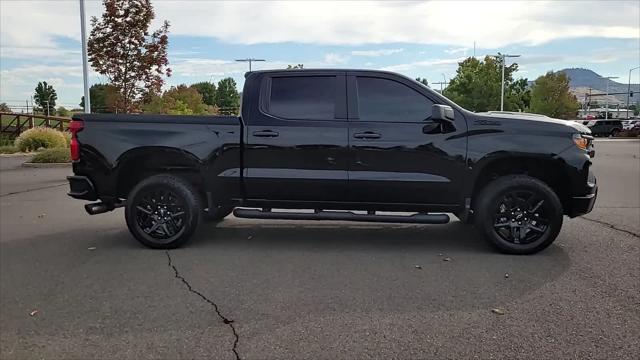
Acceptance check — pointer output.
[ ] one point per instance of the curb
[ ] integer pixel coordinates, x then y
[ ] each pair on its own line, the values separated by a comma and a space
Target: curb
45, 165
17, 155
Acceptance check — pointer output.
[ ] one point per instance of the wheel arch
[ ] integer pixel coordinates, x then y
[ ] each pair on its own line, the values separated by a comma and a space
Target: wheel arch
547, 169
137, 164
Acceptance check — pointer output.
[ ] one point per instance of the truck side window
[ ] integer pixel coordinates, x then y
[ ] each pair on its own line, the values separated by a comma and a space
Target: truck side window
303, 97
390, 101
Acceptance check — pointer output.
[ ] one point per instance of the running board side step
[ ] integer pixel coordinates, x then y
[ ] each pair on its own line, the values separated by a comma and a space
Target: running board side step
342, 216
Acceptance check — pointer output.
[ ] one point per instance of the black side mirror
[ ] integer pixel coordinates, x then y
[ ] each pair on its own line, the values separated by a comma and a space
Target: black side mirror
442, 113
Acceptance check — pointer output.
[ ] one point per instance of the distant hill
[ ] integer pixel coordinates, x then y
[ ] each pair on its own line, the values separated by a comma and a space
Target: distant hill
584, 79
588, 78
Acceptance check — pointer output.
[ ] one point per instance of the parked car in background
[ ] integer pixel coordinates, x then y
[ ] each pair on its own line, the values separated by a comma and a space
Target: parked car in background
630, 124
601, 127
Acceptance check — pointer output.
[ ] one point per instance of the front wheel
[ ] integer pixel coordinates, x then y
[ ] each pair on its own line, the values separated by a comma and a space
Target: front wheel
162, 211
519, 214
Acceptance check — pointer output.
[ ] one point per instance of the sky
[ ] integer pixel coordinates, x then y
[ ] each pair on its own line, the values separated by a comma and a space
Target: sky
40, 40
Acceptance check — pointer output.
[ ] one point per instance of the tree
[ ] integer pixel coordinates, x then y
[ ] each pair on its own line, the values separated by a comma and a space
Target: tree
518, 96
423, 81
45, 96
121, 47
207, 90
104, 98
550, 96
477, 86
179, 100
62, 111
291, 67
4, 107
227, 97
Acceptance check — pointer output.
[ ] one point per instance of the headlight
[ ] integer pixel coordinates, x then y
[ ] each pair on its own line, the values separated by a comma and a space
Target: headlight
581, 141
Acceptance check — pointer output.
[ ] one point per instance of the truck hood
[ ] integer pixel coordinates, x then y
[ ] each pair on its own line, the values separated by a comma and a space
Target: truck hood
540, 120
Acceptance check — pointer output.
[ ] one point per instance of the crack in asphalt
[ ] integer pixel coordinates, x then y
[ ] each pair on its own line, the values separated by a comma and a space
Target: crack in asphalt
224, 319
611, 226
33, 189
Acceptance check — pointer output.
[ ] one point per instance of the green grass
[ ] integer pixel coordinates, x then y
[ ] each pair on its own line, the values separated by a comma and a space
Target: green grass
55, 155
6, 149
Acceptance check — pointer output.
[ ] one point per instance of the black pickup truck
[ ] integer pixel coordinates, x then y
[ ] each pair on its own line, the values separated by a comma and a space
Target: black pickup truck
344, 145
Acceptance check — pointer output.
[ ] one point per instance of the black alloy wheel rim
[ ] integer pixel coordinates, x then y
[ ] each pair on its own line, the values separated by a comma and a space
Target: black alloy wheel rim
160, 213
521, 217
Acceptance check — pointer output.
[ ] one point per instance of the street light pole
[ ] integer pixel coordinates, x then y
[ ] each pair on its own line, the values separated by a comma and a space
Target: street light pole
629, 88
502, 60
606, 99
85, 64
250, 60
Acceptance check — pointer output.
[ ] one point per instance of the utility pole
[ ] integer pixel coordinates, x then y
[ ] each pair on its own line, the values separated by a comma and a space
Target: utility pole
629, 88
85, 64
441, 83
502, 58
250, 60
606, 100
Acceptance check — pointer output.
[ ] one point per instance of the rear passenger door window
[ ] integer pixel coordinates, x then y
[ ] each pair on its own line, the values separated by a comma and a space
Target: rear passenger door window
387, 100
303, 97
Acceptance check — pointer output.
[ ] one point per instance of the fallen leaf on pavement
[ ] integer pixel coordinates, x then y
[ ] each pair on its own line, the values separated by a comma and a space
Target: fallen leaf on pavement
33, 313
418, 266
91, 248
446, 259
498, 311
249, 237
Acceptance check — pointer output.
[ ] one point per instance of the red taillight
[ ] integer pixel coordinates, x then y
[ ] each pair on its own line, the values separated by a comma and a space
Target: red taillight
74, 127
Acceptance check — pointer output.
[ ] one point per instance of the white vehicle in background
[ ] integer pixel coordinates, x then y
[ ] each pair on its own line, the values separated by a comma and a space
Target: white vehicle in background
629, 124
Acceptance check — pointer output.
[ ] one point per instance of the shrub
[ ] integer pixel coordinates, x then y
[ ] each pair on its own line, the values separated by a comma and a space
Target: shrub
67, 138
40, 137
54, 155
8, 149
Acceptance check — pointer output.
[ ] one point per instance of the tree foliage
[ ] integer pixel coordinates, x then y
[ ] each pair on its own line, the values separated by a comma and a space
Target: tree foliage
4, 107
62, 111
422, 81
45, 95
207, 90
550, 96
292, 67
227, 97
104, 98
179, 100
477, 86
122, 48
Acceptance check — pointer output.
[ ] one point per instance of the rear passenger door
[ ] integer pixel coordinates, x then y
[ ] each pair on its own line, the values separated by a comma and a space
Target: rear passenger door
398, 153
296, 143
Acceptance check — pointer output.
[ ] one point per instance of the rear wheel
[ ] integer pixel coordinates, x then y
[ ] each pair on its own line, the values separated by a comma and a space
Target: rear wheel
162, 211
615, 132
519, 214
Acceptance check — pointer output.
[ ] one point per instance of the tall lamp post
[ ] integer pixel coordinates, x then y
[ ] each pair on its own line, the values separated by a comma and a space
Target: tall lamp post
502, 60
606, 101
629, 88
85, 64
250, 60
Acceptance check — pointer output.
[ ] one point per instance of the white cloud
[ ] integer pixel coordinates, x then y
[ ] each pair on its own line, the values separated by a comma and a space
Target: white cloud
492, 24
452, 51
425, 63
334, 59
375, 53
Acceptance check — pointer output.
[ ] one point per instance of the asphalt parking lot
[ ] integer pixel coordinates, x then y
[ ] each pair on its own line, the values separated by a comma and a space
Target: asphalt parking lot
78, 286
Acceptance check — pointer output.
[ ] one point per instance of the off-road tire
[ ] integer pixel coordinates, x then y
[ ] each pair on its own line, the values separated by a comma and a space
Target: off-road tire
180, 189
489, 202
